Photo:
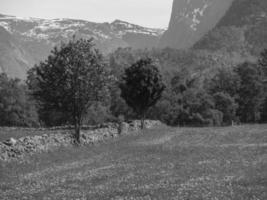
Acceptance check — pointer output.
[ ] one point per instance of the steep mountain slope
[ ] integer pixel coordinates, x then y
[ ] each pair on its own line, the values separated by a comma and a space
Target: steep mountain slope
28, 41
221, 33
243, 28
235, 25
245, 13
14, 59
191, 20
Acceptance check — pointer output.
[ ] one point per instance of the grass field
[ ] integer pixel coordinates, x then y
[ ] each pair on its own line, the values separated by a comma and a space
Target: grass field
162, 163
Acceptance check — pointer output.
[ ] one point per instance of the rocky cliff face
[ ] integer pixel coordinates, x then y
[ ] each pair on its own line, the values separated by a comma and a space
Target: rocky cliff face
191, 20
24, 42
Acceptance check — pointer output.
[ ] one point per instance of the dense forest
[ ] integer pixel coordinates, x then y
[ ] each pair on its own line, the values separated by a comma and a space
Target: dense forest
202, 89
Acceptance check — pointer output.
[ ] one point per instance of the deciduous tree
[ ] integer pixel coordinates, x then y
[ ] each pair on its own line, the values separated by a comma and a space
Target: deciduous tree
16, 107
250, 93
71, 79
142, 86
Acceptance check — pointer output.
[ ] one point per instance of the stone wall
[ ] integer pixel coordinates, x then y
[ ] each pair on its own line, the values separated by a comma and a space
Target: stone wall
17, 149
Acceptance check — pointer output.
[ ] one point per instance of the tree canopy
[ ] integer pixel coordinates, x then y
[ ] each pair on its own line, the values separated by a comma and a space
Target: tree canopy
142, 86
16, 108
71, 79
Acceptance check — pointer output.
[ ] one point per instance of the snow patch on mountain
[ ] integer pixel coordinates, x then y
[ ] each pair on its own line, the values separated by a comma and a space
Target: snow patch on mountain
198, 12
44, 29
27, 41
192, 15
122, 28
5, 25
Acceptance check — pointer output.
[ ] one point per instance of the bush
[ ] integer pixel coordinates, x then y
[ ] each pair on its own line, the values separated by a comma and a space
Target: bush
16, 107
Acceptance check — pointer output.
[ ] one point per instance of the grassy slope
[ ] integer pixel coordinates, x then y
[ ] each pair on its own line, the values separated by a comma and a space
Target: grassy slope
164, 163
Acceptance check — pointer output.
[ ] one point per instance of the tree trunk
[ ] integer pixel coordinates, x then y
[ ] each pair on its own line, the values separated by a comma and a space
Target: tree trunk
77, 132
143, 121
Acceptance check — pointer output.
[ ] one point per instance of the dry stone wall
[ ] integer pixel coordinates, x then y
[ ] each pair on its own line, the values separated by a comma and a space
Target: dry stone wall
17, 149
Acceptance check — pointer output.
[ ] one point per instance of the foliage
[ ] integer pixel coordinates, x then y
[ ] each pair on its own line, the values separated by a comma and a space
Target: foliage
263, 65
142, 86
16, 107
227, 105
202, 87
118, 106
251, 92
229, 38
185, 103
232, 94
223, 87
256, 37
195, 105
98, 113
263, 62
224, 81
70, 80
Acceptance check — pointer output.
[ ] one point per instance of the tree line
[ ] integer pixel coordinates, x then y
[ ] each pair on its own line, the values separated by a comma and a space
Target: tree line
77, 85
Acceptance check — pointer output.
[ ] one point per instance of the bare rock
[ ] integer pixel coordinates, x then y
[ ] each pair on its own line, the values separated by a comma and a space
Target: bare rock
11, 142
13, 149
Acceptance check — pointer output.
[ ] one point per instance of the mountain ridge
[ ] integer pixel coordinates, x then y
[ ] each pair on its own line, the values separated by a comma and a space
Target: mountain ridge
36, 37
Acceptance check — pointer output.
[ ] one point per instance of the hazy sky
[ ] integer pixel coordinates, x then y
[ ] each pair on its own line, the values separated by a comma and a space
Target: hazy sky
150, 13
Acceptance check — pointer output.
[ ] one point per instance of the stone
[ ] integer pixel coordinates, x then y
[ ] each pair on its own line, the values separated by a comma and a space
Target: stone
13, 149
123, 128
11, 142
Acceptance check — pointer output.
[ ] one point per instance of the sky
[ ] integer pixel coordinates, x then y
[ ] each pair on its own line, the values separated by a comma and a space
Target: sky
149, 13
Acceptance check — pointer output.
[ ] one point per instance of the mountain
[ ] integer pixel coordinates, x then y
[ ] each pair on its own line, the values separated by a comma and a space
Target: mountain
212, 34
191, 20
14, 59
26, 41
242, 29
225, 32
233, 25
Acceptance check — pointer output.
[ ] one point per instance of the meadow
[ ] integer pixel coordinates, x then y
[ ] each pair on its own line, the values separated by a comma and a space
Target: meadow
227, 163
